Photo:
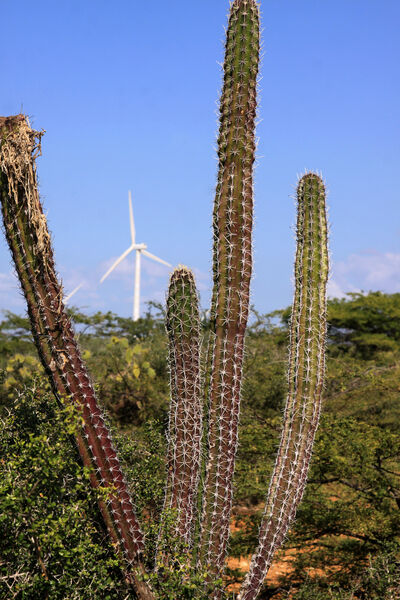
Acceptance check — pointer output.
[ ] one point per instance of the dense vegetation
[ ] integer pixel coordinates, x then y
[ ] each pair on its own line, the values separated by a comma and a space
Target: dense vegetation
348, 526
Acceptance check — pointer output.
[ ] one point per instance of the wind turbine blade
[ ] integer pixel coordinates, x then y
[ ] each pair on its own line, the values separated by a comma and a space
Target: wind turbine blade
131, 221
149, 255
78, 287
120, 259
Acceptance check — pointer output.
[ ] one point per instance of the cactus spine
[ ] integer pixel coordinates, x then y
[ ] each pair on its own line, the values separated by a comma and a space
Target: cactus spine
27, 235
305, 379
186, 406
232, 266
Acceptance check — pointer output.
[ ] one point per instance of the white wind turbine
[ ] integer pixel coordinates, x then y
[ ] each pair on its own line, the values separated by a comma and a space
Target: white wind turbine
140, 249
68, 298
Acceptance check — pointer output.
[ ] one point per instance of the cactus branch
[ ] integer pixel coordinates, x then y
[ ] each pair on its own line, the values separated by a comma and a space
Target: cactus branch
232, 265
29, 241
186, 407
305, 380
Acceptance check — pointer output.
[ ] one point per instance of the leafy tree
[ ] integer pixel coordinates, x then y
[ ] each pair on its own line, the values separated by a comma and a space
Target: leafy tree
18, 371
51, 542
127, 381
15, 337
367, 324
126, 358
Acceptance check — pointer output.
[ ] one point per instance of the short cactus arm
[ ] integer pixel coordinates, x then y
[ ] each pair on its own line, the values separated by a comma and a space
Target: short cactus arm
186, 407
29, 241
232, 266
305, 379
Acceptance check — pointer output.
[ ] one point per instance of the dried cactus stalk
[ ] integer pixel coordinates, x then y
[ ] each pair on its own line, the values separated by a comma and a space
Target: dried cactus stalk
305, 379
186, 407
232, 265
29, 241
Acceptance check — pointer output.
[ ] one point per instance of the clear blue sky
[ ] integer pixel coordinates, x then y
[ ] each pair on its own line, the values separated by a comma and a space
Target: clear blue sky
127, 92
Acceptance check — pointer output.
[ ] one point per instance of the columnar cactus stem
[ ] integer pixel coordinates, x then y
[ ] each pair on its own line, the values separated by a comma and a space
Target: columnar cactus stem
186, 407
27, 235
232, 265
305, 379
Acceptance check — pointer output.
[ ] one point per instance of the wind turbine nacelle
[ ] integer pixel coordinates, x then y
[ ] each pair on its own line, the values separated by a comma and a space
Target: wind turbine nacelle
139, 247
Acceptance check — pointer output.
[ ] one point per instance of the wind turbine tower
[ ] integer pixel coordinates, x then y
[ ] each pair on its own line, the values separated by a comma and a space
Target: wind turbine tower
139, 249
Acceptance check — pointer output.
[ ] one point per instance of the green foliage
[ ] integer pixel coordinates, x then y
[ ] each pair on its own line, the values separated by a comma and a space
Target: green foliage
126, 358
126, 380
51, 543
128, 362
258, 438
264, 387
15, 337
363, 350
18, 371
351, 508
173, 576
379, 580
367, 325
353, 487
362, 375
143, 453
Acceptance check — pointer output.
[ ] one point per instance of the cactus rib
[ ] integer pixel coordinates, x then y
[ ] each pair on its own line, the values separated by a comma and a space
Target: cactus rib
232, 266
305, 380
29, 241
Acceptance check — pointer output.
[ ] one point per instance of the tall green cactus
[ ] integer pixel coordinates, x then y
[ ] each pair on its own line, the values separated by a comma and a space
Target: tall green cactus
305, 379
29, 240
186, 408
232, 266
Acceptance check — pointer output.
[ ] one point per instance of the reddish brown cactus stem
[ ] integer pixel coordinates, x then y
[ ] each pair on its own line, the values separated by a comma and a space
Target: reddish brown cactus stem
27, 235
